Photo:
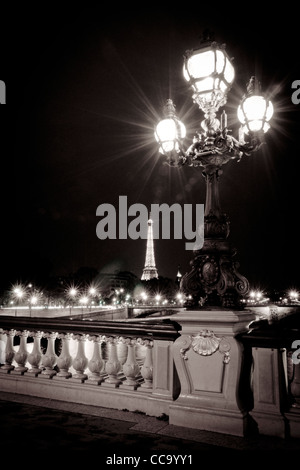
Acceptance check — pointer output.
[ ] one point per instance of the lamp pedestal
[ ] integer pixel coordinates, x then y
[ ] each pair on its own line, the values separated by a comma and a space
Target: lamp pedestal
212, 371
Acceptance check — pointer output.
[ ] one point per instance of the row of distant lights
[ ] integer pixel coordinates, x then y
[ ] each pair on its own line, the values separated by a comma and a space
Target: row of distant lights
258, 296
293, 296
73, 293
20, 292
158, 298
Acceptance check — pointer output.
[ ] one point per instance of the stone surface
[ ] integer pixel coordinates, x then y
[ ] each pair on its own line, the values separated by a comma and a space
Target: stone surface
68, 432
208, 361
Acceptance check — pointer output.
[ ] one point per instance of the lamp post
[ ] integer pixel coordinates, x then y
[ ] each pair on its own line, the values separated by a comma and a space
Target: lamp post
214, 279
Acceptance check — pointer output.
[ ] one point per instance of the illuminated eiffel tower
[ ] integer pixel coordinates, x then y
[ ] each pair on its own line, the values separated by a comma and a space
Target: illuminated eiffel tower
149, 270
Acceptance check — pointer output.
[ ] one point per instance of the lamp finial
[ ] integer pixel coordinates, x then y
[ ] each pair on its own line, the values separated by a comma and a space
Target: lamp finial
253, 86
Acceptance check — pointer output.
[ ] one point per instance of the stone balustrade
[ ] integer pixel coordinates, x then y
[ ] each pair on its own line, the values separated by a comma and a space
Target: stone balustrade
114, 360
211, 370
127, 362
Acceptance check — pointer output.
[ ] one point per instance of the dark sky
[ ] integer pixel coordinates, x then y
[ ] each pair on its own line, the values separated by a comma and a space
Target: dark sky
85, 88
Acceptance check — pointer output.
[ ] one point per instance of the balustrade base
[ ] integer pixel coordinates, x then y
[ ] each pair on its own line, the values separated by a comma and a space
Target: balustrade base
270, 424
72, 392
19, 371
35, 372
111, 384
6, 369
145, 389
62, 377
133, 384
78, 380
48, 375
146, 385
129, 386
94, 381
214, 420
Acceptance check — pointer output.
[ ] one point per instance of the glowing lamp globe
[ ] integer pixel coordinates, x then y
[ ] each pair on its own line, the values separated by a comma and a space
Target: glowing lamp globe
170, 131
254, 113
210, 74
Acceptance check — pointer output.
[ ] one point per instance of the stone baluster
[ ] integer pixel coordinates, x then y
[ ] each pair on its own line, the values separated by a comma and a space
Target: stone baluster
9, 351
22, 353
104, 356
96, 363
80, 362
49, 358
113, 365
122, 350
130, 368
35, 357
64, 360
147, 367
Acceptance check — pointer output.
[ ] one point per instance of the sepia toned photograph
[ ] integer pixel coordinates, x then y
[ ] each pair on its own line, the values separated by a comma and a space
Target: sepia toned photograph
149, 282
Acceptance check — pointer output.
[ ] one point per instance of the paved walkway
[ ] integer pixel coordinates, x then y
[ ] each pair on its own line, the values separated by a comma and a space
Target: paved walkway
71, 433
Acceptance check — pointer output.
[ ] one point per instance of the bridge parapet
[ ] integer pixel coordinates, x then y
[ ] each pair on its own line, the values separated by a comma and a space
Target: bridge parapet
108, 363
221, 371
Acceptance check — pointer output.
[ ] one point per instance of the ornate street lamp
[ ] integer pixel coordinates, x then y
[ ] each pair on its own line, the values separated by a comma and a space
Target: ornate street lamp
214, 278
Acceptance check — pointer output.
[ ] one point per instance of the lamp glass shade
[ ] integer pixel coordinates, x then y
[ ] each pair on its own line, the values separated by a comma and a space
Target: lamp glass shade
169, 132
255, 112
220, 61
200, 65
210, 73
204, 86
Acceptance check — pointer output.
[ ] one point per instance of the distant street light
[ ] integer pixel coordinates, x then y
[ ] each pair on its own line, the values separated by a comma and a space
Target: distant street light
33, 300
72, 294
293, 296
180, 298
84, 300
214, 279
144, 296
18, 292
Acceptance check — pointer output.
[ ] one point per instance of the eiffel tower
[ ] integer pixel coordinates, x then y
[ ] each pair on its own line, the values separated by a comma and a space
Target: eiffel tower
149, 270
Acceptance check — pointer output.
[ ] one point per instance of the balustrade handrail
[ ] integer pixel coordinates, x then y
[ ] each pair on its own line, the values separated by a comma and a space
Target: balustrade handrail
164, 329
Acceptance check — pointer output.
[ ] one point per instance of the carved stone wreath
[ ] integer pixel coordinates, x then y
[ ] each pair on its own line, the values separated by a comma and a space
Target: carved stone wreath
206, 343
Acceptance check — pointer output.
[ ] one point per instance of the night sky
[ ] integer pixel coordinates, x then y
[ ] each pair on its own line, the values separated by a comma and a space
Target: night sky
85, 88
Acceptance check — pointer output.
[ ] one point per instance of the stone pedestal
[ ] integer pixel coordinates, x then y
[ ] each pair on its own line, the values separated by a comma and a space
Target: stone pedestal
208, 359
269, 390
